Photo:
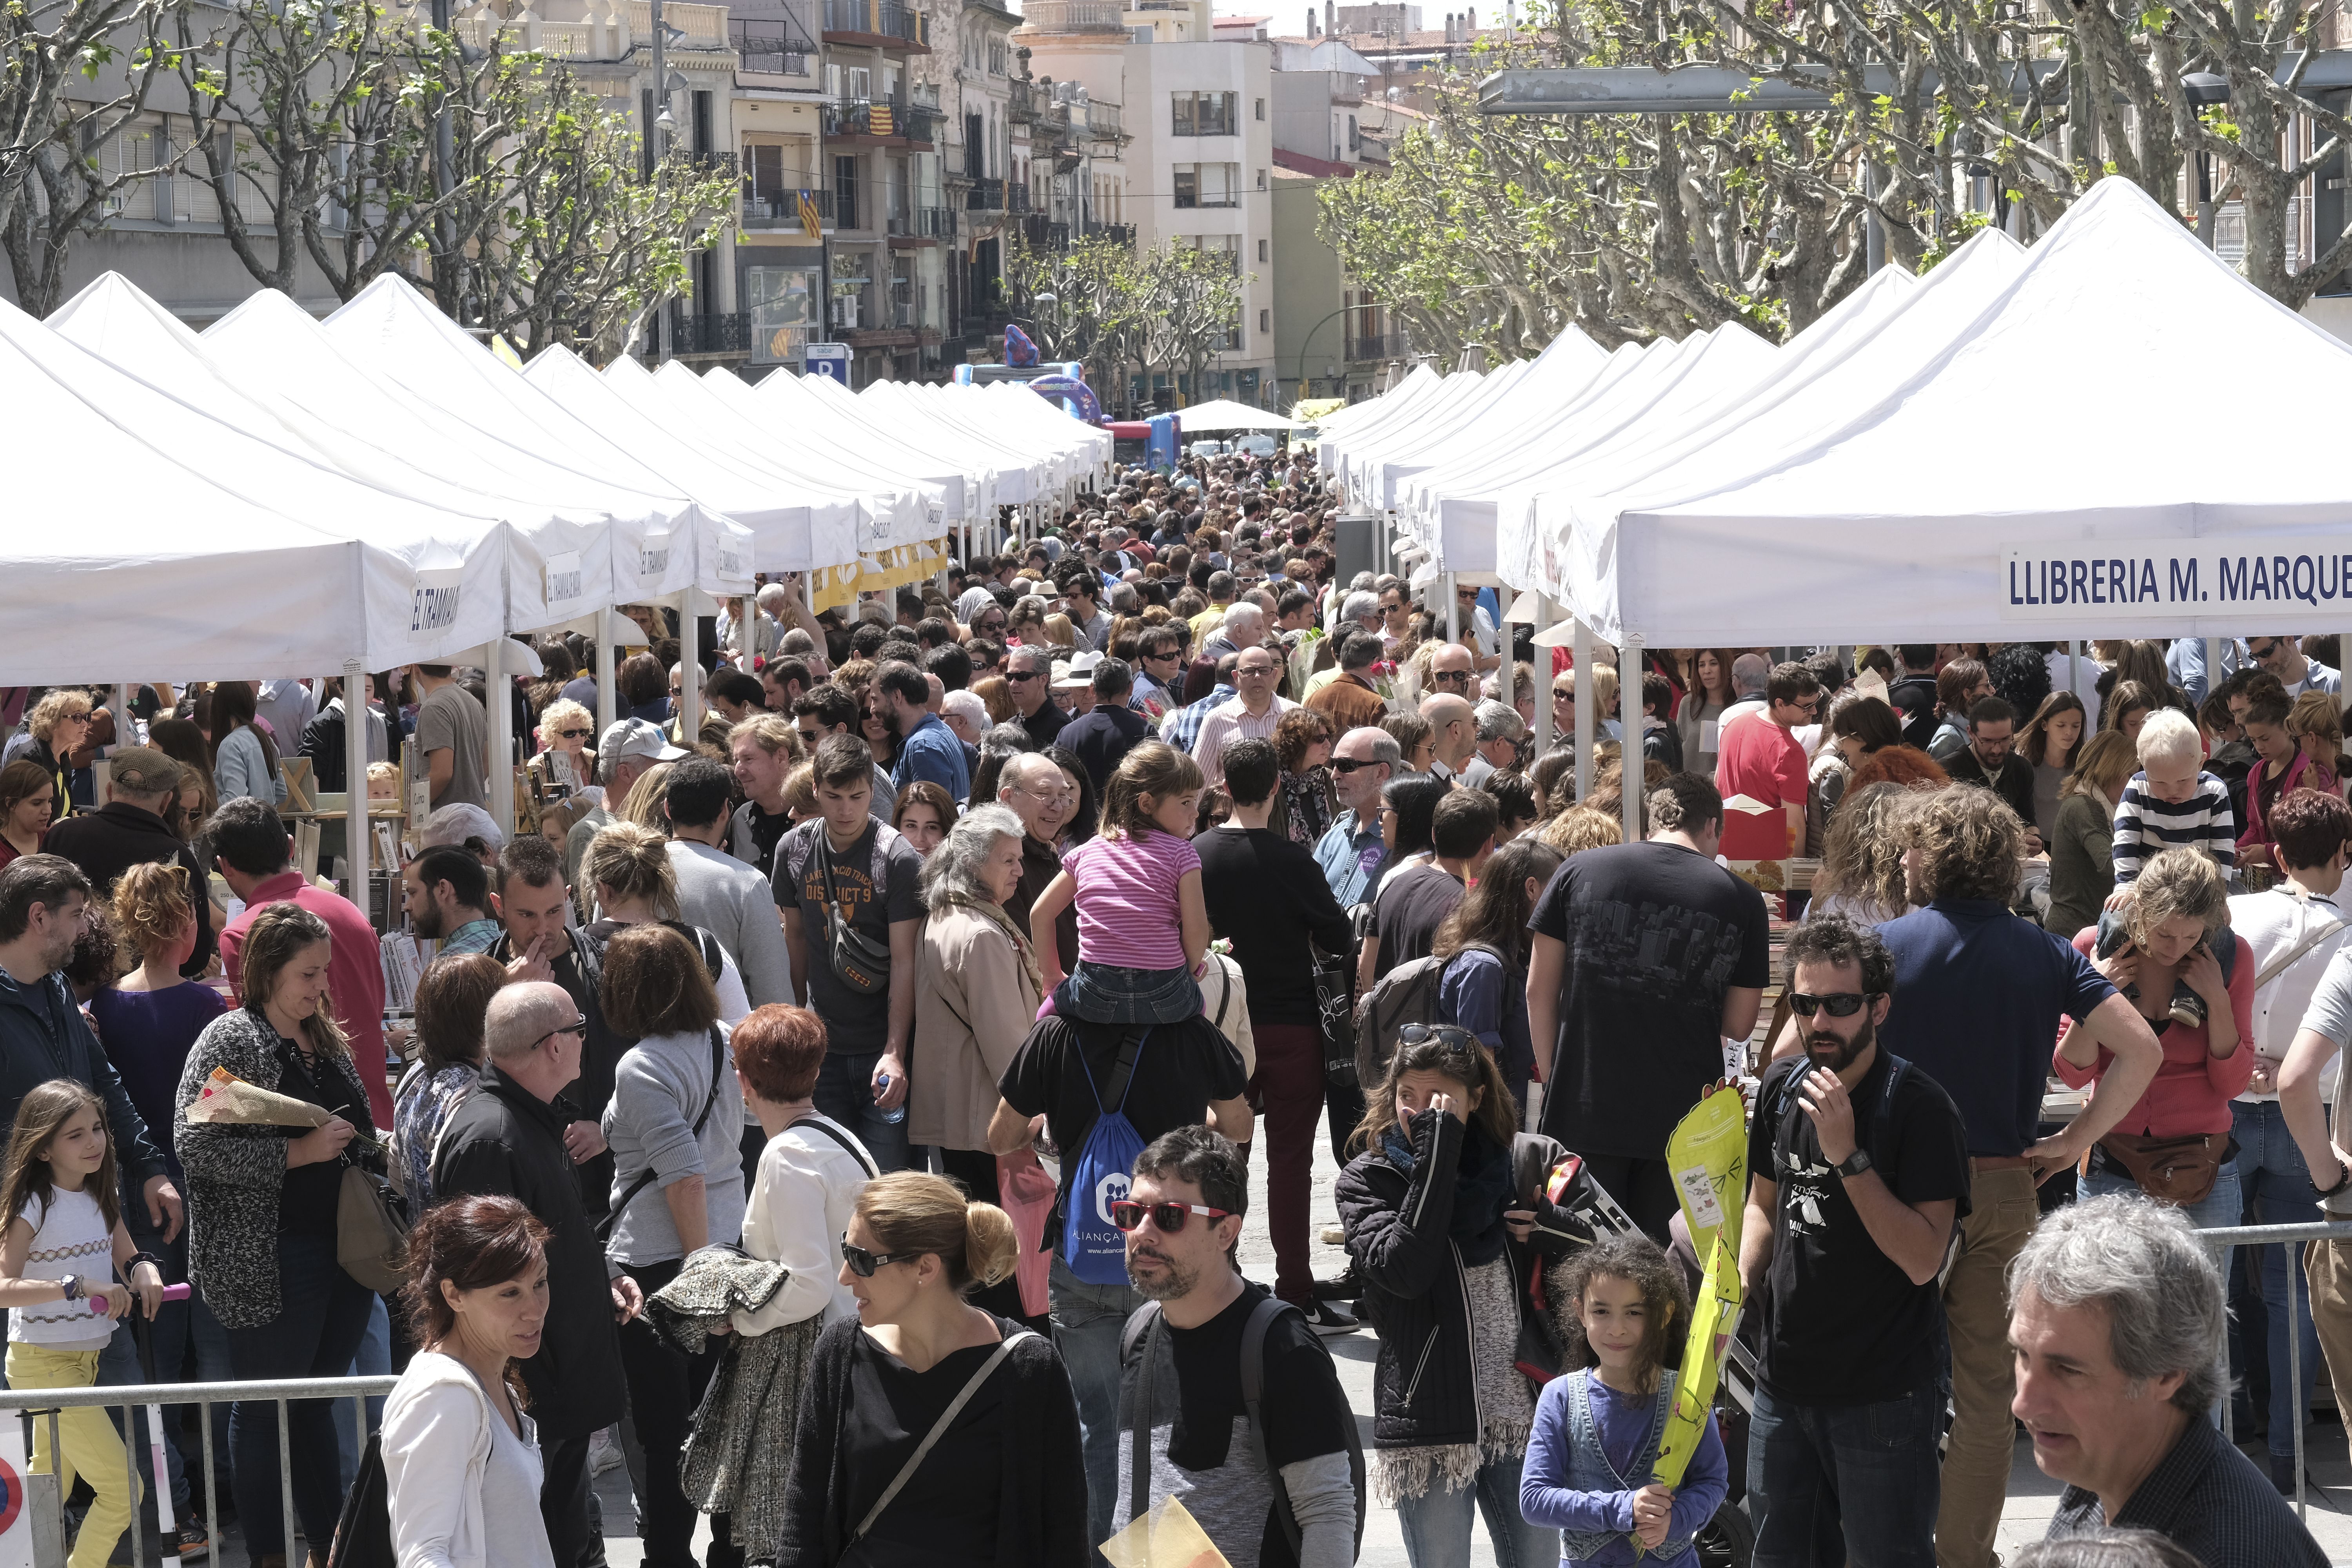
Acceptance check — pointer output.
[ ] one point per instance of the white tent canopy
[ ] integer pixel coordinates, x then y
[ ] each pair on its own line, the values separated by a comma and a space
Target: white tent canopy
394, 334
194, 549
1335, 427
2111, 522
1224, 413
818, 426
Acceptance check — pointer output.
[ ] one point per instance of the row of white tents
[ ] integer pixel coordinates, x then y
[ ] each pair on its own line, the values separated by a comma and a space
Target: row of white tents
284, 496
2111, 433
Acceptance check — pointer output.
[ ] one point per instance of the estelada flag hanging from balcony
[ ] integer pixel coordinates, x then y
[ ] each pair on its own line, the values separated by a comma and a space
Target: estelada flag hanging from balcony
811, 223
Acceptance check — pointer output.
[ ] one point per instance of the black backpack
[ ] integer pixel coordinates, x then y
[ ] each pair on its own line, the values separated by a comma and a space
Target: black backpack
1144, 1325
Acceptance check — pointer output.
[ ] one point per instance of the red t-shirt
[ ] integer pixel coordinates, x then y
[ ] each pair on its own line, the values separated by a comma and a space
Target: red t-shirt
1759, 759
354, 974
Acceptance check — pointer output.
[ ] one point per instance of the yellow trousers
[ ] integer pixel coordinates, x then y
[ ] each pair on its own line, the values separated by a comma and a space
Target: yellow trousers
93, 1450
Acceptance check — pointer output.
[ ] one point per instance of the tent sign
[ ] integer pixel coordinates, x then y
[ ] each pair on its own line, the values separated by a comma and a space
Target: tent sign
2169, 577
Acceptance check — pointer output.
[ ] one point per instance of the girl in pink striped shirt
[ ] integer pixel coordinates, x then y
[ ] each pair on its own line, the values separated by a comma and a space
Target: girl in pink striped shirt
1143, 927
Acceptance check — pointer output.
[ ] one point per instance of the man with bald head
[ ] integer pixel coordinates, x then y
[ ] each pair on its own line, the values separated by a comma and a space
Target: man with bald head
1454, 671
1038, 792
1453, 733
506, 1139
1250, 714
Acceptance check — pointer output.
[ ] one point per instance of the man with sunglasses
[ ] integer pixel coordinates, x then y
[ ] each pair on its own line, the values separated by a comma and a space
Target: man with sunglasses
2284, 657
1160, 666
1362, 763
1858, 1171
1758, 758
1183, 1074
1237, 1476
511, 1138
1029, 679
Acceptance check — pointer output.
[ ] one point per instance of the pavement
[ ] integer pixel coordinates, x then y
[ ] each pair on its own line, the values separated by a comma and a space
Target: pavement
2032, 1497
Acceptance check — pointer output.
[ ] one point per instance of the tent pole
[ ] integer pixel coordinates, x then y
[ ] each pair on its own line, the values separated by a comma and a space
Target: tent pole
1581, 652
1453, 611
497, 695
608, 623
2074, 665
2213, 647
690, 671
356, 840
1505, 674
1543, 685
1629, 745
126, 728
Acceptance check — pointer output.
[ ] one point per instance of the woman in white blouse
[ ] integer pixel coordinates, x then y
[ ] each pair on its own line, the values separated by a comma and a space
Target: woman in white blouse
810, 1173
461, 1459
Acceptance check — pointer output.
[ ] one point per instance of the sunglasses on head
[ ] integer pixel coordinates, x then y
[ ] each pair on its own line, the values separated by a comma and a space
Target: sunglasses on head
1457, 1042
1170, 1218
1843, 1004
863, 1263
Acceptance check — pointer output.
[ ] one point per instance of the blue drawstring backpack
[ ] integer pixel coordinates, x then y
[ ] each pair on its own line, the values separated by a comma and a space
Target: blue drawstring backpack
1094, 1248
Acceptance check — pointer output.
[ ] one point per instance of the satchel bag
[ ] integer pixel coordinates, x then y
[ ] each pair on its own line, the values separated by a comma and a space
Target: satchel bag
858, 960
2177, 1170
371, 1230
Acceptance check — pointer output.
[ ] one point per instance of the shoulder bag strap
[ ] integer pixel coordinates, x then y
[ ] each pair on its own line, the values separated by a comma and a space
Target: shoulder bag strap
939, 1429
863, 1159
1139, 1419
2278, 966
1123, 1075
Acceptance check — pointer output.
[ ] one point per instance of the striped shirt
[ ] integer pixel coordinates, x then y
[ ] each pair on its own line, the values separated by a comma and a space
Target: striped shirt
2146, 826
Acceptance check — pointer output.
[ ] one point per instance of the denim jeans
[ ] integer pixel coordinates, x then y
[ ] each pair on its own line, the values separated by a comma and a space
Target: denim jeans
2274, 1180
1087, 1324
1109, 994
844, 1091
177, 1325
322, 1315
1867, 1472
373, 1360
2219, 1207
1437, 1524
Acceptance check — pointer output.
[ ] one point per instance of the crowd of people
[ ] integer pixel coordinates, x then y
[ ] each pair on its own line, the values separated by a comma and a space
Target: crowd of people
841, 1115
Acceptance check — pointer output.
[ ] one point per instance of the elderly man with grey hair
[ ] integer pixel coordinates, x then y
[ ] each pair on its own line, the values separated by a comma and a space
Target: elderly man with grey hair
1244, 628
506, 1139
1033, 787
1350, 852
2116, 1319
1500, 731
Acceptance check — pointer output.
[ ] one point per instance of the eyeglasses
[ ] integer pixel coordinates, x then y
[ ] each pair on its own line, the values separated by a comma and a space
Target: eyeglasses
863, 1263
1452, 678
1843, 1004
577, 1026
1344, 765
1127, 1214
575, 734
2263, 652
1025, 674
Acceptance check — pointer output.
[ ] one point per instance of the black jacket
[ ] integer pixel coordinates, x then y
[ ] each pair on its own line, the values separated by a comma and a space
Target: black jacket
504, 1141
1914, 699
108, 841
581, 973
35, 1049
1424, 1388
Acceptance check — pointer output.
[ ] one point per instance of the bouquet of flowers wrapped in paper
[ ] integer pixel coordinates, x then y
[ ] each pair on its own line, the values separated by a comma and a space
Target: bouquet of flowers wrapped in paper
226, 1098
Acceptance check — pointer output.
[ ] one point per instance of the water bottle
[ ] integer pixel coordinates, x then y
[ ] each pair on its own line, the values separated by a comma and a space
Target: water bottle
898, 1114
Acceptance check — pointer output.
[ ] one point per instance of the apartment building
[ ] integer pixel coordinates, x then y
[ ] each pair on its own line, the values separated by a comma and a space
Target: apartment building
1197, 165
972, 69
779, 246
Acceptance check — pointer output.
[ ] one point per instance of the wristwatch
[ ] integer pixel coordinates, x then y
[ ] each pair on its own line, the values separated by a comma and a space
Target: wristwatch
71, 1284
1855, 1163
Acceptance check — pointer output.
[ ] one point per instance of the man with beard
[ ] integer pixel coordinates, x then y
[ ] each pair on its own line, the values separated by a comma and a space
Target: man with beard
1858, 1172
447, 893
1284, 1494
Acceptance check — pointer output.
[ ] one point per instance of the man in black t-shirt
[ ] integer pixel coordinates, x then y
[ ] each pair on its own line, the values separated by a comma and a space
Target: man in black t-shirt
1191, 1193
1414, 899
1645, 958
1858, 1172
1183, 1074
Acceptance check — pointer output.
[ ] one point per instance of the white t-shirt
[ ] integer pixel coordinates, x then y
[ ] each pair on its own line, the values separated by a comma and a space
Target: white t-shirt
70, 1235
2274, 923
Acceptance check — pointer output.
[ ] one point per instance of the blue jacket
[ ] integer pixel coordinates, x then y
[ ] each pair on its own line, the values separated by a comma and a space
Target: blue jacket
933, 751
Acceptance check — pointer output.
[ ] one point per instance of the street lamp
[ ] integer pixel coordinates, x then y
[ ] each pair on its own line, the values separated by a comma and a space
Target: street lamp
2205, 90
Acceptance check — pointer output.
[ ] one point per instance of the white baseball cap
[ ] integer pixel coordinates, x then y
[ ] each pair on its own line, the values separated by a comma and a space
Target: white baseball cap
637, 738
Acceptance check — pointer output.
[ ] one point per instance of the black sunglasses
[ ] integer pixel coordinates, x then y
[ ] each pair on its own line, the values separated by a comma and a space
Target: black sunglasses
1449, 676
1843, 1004
577, 1026
575, 734
1344, 765
1127, 1214
863, 1263
1457, 1042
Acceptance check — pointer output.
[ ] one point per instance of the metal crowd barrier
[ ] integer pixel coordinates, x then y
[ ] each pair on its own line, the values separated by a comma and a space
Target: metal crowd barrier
2220, 1239
48, 1502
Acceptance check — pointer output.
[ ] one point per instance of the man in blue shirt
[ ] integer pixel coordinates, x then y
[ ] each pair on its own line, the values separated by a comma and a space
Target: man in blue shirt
1979, 997
1184, 727
930, 749
1351, 851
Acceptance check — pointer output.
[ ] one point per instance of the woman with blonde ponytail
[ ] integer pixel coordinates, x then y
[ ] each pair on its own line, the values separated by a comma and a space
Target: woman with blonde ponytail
932, 1432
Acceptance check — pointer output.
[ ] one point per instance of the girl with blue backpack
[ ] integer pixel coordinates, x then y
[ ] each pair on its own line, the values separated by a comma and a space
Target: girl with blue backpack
1591, 1461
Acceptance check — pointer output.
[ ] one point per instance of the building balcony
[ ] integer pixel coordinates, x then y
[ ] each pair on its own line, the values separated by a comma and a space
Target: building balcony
780, 209
987, 196
935, 223
770, 47
1074, 16
1016, 197
1041, 232
706, 163
1021, 104
1389, 345
1116, 233
1102, 122
727, 332
880, 119
876, 24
